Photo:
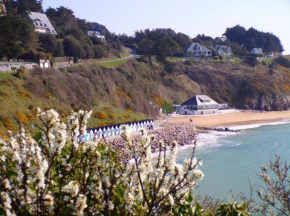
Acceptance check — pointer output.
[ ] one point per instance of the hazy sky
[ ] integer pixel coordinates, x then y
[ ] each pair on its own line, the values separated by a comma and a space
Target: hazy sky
192, 17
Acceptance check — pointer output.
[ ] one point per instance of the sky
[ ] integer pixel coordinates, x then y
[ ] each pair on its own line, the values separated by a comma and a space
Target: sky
192, 17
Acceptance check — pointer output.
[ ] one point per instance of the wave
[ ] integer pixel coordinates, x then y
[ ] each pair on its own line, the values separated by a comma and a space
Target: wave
251, 126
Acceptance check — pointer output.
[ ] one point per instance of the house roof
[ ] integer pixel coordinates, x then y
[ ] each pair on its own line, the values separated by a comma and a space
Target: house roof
225, 48
40, 20
196, 47
199, 100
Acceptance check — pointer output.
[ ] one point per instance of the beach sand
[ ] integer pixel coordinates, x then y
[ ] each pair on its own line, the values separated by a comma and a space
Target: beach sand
231, 119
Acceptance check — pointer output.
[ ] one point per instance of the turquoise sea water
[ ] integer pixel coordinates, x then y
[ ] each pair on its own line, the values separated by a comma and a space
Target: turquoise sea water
230, 161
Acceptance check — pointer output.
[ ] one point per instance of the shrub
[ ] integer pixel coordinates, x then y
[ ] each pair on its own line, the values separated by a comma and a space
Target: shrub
126, 116
283, 61
273, 65
72, 178
20, 72
23, 94
21, 118
8, 123
112, 115
276, 191
188, 62
251, 61
264, 63
3, 136
30, 117
47, 95
167, 108
120, 93
159, 101
169, 66
4, 94
100, 115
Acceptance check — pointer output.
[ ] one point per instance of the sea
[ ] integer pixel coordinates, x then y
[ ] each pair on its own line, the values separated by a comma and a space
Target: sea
232, 161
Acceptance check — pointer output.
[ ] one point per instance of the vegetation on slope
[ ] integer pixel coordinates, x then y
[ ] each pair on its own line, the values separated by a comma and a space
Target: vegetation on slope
134, 90
19, 40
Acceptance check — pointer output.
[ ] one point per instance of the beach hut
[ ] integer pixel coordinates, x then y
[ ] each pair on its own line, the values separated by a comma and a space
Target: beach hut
108, 132
112, 131
87, 136
131, 128
117, 130
95, 133
100, 132
104, 132
135, 127
91, 135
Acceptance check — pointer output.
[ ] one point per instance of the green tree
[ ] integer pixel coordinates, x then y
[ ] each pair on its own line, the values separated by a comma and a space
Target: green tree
283, 61
49, 43
29, 5
252, 61
73, 48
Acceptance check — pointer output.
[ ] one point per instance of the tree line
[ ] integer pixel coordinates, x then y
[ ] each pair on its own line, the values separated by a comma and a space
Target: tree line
19, 40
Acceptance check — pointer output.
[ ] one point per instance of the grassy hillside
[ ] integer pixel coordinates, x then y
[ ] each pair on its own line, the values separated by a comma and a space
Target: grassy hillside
134, 90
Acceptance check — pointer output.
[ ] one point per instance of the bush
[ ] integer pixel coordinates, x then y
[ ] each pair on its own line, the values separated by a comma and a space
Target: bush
188, 62
100, 115
283, 61
252, 61
21, 118
4, 94
273, 65
264, 63
169, 66
112, 115
7, 123
47, 95
20, 72
167, 108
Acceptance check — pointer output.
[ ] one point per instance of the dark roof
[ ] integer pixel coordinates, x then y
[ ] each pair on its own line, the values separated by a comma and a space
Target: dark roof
191, 101
198, 100
196, 47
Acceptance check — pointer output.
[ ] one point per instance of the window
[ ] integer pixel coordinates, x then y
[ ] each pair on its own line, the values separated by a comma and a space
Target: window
36, 23
45, 25
40, 24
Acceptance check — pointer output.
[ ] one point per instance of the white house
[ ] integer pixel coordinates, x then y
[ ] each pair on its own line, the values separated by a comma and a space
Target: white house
224, 50
42, 23
196, 50
200, 104
257, 51
97, 31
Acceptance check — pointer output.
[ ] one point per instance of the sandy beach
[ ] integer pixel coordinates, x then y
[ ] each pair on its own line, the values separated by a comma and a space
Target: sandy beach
230, 119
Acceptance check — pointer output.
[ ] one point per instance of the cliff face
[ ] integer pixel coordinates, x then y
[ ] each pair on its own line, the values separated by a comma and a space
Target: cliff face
242, 86
135, 89
136, 86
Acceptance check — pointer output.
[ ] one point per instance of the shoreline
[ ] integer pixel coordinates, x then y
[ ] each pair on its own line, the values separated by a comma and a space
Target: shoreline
233, 119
